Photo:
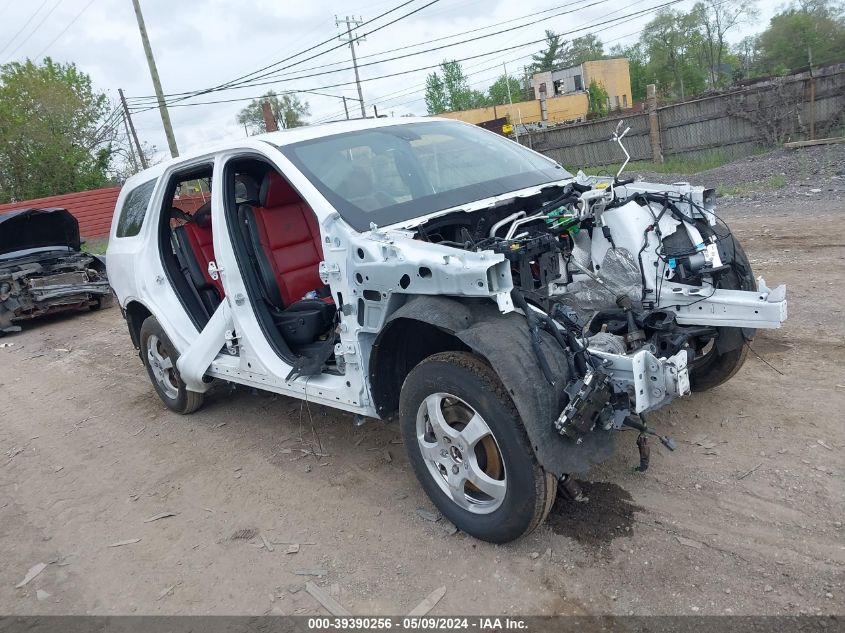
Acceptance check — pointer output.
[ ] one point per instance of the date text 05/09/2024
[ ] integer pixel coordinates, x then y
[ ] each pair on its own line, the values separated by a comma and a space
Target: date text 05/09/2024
411, 623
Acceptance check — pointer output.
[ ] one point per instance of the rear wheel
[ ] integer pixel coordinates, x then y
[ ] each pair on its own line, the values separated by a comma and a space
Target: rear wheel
469, 450
160, 358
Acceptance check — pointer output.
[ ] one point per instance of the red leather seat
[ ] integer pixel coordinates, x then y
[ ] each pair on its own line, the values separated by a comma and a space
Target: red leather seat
199, 237
289, 237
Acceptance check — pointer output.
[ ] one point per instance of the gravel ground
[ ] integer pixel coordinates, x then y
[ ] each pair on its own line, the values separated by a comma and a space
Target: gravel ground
815, 173
744, 518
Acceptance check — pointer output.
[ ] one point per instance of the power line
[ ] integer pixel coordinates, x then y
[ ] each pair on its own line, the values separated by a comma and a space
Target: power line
139, 110
360, 37
407, 91
65, 30
331, 39
465, 41
37, 26
443, 46
407, 46
418, 87
480, 55
406, 55
26, 24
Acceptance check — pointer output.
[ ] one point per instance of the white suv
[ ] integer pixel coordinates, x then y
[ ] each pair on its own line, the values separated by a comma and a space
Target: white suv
512, 316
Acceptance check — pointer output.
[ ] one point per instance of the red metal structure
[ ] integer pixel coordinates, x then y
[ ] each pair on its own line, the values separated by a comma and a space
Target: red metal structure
93, 209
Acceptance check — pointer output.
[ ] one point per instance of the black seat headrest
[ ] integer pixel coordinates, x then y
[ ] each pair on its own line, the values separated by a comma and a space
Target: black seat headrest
202, 217
246, 189
276, 191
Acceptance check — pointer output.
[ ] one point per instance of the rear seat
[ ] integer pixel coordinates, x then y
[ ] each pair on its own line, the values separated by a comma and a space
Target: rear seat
195, 249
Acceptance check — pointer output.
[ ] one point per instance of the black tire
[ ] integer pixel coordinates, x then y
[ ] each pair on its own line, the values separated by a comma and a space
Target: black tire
714, 368
181, 400
529, 491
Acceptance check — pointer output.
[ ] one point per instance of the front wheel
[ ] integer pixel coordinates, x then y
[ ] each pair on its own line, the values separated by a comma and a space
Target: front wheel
160, 358
468, 449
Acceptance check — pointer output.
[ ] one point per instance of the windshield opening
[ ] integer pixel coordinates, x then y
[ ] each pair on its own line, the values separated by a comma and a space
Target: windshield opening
391, 174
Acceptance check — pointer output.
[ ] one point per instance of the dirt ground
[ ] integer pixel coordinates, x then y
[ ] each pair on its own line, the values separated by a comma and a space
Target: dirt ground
744, 518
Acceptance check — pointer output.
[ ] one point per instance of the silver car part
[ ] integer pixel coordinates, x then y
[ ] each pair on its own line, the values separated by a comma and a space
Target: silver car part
501, 223
650, 382
461, 453
693, 305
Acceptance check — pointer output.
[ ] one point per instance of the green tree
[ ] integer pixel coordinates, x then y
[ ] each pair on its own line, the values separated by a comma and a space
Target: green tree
580, 50
56, 133
747, 53
811, 27
288, 111
598, 99
715, 18
435, 94
671, 41
498, 92
451, 91
637, 67
548, 58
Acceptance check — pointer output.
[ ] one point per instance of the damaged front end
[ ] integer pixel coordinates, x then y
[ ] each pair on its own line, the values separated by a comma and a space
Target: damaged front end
46, 283
42, 270
633, 295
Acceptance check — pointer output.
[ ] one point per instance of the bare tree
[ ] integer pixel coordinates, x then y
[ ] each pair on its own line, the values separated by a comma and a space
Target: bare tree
717, 18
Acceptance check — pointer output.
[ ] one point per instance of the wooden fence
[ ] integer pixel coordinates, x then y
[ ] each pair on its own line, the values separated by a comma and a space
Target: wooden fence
733, 123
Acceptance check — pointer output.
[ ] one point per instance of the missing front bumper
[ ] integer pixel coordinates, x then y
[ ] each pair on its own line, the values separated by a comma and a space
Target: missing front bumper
598, 400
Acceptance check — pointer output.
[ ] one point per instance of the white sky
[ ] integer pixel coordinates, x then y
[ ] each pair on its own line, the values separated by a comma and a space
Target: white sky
202, 43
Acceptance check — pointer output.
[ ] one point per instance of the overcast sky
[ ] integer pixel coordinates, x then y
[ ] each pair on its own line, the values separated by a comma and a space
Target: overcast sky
203, 43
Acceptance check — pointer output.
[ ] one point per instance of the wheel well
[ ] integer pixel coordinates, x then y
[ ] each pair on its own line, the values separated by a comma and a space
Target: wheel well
399, 348
136, 314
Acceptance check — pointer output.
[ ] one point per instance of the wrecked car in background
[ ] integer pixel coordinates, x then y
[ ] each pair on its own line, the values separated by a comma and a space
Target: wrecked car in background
43, 270
510, 314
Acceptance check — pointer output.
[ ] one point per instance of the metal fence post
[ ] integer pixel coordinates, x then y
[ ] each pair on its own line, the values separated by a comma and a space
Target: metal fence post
653, 124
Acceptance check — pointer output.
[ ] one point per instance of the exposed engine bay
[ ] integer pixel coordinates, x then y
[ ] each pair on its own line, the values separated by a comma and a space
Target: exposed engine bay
43, 270
643, 286
46, 283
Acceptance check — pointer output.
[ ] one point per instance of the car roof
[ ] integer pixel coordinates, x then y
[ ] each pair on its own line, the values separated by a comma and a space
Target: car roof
285, 137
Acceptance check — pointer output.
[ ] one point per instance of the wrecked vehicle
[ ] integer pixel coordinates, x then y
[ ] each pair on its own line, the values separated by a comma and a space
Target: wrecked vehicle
512, 316
43, 270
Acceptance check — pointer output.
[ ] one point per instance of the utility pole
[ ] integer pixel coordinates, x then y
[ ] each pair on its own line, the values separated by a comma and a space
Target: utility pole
812, 94
269, 120
162, 106
127, 119
510, 100
131, 147
345, 109
352, 39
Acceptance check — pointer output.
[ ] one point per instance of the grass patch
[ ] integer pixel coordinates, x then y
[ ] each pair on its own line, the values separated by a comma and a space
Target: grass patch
96, 246
772, 182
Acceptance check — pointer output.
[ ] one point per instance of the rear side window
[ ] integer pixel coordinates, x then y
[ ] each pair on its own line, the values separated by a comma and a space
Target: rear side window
134, 209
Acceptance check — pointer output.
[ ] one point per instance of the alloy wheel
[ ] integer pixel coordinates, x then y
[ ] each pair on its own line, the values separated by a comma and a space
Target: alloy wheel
461, 453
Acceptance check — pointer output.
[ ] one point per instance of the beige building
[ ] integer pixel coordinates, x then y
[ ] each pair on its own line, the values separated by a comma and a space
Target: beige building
612, 74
